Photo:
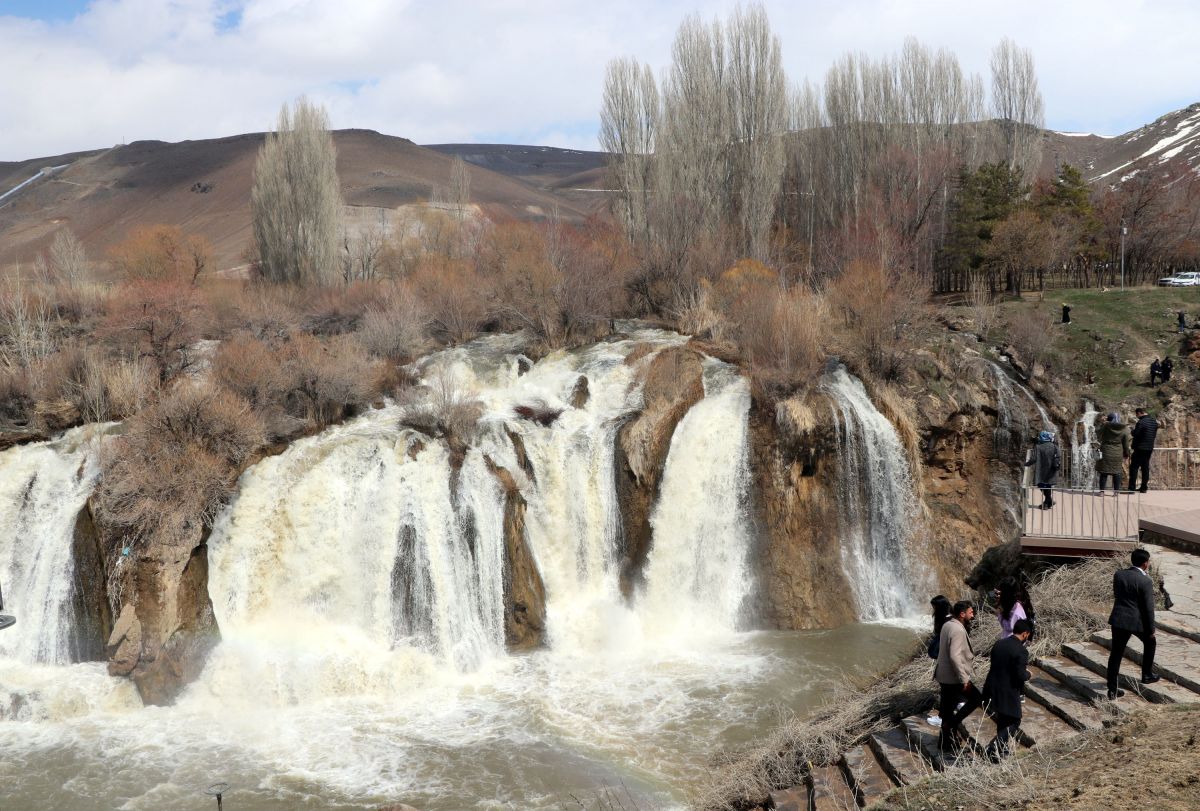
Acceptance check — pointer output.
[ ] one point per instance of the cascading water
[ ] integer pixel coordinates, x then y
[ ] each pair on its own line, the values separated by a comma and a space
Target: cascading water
42, 489
1011, 418
358, 582
1083, 444
698, 569
879, 505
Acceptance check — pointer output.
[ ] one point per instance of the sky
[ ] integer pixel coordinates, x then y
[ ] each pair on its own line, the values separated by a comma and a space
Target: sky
85, 74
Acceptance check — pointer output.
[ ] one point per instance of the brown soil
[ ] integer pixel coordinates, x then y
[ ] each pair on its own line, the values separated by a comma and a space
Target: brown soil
1149, 761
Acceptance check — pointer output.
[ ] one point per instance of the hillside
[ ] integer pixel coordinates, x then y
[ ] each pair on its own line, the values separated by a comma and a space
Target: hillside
204, 187
1115, 159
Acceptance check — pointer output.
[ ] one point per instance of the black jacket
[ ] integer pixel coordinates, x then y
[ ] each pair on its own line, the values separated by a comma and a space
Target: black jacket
1046, 461
1133, 601
1010, 669
1143, 434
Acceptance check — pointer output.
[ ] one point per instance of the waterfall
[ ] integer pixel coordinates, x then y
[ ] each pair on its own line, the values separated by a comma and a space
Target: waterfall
1008, 414
1083, 443
698, 569
879, 505
42, 489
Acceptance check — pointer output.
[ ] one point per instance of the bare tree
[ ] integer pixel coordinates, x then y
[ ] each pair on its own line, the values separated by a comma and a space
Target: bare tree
1017, 104
629, 122
460, 185
68, 262
296, 200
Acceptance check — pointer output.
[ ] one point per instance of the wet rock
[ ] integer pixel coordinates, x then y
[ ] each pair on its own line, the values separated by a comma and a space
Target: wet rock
125, 643
92, 623
673, 381
524, 592
580, 393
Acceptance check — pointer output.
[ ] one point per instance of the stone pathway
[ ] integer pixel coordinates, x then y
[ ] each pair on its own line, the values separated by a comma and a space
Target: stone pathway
1066, 695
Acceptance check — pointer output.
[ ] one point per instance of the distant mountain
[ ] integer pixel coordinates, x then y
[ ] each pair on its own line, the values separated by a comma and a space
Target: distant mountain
204, 187
1114, 159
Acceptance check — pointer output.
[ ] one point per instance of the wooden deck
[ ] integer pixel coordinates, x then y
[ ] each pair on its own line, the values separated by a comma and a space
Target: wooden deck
1088, 523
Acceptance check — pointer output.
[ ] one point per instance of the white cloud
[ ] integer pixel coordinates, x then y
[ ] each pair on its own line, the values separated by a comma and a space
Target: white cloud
532, 69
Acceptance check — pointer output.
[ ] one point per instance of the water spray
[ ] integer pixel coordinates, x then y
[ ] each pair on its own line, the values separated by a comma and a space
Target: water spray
5, 619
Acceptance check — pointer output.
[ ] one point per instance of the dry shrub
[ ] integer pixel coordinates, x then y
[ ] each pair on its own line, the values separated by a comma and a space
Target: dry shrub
129, 386
337, 310
252, 370
161, 253
394, 329
267, 311
443, 407
1071, 603
157, 321
883, 311
454, 297
1032, 335
697, 315
177, 463
16, 397
326, 381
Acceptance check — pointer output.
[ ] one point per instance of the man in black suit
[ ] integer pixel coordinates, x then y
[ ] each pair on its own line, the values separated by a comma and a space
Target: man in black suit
1002, 689
1132, 615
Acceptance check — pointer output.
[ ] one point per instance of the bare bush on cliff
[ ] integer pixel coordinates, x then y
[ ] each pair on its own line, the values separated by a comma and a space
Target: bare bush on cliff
177, 463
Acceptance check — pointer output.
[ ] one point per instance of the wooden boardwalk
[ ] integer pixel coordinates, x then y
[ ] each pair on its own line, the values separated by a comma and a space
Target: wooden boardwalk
1087, 522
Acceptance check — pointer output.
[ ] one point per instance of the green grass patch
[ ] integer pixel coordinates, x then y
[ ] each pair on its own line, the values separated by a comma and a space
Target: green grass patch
1114, 335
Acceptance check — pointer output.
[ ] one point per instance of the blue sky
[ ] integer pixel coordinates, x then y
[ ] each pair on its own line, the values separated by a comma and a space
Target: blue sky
529, 71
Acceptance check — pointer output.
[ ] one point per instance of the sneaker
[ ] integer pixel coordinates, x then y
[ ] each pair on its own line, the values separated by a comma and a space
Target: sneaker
1113, 695
1022, 699
934, 721
1151, 679
961, 704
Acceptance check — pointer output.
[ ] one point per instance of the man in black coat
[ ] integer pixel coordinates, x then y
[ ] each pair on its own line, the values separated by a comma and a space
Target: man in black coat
1132, 615
1168, 366
1144, 432
1002, 689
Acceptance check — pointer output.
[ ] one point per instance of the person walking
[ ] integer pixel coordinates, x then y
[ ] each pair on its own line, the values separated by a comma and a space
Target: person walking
1115, 449
1046, 461
1142, 440
1004, 685
1168, 366
1132, 615
1155, 371
1182, 321
1066, 316
954, 674
941, 613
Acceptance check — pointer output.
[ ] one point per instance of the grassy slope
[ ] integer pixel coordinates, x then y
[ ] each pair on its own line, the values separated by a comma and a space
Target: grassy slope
1114, 335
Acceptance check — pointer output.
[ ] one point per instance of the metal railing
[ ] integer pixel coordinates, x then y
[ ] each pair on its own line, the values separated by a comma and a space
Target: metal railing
1170, 469
1088, 514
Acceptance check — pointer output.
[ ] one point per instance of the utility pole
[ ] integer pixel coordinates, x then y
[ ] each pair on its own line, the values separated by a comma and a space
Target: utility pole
1123, 230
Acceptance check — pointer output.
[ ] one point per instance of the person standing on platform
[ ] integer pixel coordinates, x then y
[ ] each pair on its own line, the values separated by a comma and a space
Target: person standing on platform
1132, 615
1115, 450
1144, 431
1046, 461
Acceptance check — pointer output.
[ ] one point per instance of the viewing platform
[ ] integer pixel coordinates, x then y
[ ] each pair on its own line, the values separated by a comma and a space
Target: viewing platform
1089, 523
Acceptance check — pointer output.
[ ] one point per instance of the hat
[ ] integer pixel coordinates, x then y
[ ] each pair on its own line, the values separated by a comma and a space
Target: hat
1045, 436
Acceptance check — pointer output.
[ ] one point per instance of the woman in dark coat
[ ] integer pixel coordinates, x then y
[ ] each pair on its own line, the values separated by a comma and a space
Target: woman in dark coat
1116, 445
1046, 462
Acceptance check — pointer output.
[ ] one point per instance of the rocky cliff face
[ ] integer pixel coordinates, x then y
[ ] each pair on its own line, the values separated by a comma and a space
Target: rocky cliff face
165, 627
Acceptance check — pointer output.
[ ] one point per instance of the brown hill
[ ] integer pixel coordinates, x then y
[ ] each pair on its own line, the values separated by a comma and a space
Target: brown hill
1113, 160
204, 187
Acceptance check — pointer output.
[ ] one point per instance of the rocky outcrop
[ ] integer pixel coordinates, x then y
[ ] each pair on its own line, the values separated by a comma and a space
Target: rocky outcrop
524, 592
794, 464
672, 382
92, 619
166, 627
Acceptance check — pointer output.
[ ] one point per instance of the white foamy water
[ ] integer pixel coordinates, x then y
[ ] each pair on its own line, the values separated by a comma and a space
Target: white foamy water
42, 489
1083, 448
358, 582
879, 506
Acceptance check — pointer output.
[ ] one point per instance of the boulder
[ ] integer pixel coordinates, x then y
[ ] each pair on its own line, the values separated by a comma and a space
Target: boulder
524, 592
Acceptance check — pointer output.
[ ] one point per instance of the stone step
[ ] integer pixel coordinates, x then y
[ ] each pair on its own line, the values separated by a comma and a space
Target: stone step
1086, 683
830, 791
1181, 575
1095, 659
791, 799
864, 774
902, 765
1062, 700
923, 738
1175, 658
1039, 726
